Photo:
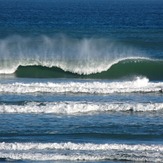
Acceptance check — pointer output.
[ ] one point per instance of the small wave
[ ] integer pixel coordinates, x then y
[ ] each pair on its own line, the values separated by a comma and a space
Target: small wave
81, 152
77, 108
138, 85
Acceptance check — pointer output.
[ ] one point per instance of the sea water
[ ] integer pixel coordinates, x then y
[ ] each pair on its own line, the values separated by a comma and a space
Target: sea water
81, 80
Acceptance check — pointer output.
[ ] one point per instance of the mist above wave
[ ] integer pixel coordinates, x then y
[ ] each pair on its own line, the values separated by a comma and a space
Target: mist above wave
77, 55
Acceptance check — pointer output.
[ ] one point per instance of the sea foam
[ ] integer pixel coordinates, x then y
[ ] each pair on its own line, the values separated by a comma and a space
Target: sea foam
138, 85
81, 152
79, 108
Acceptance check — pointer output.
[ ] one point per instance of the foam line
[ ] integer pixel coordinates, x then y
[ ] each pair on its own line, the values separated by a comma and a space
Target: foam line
78, 151
73, 108
138, 85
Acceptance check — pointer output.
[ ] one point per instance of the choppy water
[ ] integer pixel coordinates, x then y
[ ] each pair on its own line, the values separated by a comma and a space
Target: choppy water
81, 81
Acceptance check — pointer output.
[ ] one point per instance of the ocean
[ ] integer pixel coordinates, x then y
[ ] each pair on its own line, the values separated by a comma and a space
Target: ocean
81, 81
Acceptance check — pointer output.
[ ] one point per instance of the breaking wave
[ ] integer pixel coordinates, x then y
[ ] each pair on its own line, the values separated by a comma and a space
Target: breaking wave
124, 68
63, 57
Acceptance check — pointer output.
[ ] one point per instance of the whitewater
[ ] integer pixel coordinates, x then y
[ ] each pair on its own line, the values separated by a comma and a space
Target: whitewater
81, 152
77, 108
139, 84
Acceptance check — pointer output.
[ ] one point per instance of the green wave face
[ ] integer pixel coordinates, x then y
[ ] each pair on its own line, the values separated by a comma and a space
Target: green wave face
153, 69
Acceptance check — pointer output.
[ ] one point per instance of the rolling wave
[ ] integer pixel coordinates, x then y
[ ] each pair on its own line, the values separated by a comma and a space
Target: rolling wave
80, 152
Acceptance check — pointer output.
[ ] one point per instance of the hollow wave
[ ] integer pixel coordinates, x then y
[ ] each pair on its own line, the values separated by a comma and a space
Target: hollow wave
62, 56
152, 69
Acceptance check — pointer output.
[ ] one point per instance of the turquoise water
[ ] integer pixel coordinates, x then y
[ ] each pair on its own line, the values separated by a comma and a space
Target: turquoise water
81, 81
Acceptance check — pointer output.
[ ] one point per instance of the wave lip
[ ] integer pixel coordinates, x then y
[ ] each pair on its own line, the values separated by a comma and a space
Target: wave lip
77, 108
77, 151
138, 85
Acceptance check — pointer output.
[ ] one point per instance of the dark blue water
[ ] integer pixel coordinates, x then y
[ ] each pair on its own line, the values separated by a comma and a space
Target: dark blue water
81, 80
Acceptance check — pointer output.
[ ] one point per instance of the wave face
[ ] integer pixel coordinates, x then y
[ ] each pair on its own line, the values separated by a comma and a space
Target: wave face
81, 152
